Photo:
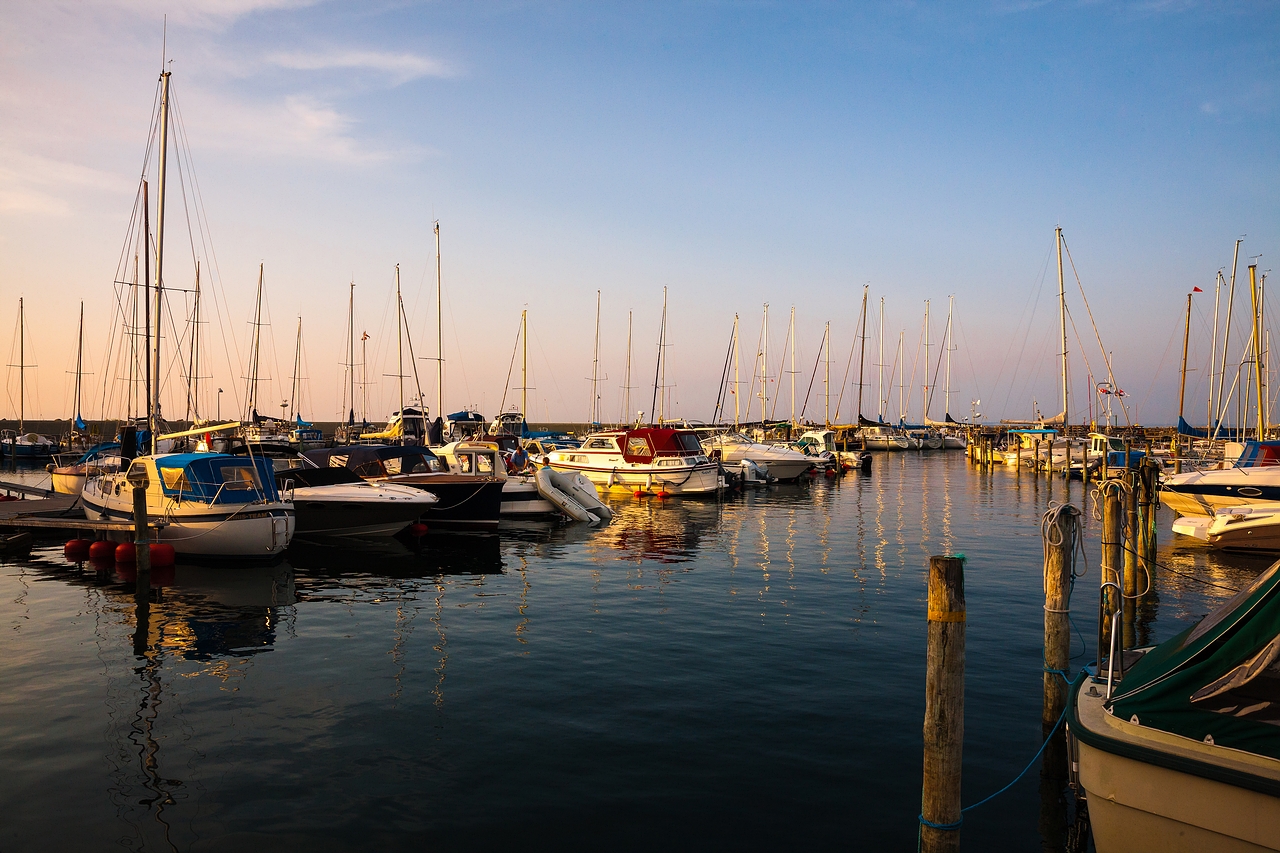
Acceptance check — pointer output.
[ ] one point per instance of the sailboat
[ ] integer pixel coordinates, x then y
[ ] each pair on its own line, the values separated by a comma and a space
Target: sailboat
212, 504
952, 438
20, 444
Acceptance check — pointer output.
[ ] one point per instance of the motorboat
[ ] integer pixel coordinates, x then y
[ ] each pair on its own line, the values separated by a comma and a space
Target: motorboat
780, 463
1254, 479
337, 502
658, 460
878, 436
70, 475
211, 504
1250, 527
521, 497
26, 445
469, 499
1182, 753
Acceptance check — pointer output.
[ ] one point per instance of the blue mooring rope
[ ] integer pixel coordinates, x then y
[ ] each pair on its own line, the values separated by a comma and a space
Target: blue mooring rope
949, 826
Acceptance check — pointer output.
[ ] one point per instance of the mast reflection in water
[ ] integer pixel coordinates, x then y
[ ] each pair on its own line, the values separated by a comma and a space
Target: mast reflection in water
745, 672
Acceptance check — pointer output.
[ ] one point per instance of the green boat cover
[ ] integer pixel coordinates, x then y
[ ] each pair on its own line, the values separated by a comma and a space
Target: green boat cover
1218, 680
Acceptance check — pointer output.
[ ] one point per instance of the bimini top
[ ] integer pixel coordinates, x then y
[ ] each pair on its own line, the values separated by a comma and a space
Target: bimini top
1259, 454
217, 477
375, 460
1219, 678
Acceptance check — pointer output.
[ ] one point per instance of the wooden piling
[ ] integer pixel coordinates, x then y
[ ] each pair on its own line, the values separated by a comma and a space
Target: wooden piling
1112, 556
1060, 538
1132, 548
944, 707
142, 549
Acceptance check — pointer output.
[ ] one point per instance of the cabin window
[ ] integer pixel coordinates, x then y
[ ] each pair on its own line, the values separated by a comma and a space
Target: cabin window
577, 458
338, 461
464, 463
239, 478
484, 464
638, 445
668, 463
600, 444
372, 468
175, 479
689, 442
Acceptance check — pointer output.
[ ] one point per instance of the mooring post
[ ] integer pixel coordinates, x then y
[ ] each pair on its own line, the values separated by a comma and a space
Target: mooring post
1112, 559
142, 550
1132, 549
943, 707
1060, 532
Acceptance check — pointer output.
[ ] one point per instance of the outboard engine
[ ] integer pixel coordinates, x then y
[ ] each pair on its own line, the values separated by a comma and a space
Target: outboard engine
752, 473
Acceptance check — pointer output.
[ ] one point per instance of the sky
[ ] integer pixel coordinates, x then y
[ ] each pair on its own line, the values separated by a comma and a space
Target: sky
731, 153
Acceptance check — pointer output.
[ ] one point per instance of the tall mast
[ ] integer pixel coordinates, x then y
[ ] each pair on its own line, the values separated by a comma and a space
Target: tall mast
862, 360
79, 367
626, 383
1186, 337
297, 363
439, 332
826, 379
22, 373
193, 369
882, 402
1226, 337
351, 351
160, 195
1213, 348
595, 368
737, 410
924, 398
1257, 352
364, 377
146, 297
662, 362
950, 308
791, 333
252, 410
400, 349
1062, 312
902, 412
764, 367
524, 365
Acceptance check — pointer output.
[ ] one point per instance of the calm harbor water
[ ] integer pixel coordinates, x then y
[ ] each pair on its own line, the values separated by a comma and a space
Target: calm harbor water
745, 673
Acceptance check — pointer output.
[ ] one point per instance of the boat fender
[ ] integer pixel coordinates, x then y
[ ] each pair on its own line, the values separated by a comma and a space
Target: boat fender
609, 482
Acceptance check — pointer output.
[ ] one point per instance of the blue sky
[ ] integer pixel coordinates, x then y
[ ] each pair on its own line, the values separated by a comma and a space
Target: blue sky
737, 153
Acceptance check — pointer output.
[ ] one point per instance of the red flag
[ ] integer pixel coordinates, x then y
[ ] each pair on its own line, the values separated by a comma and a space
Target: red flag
1196, 290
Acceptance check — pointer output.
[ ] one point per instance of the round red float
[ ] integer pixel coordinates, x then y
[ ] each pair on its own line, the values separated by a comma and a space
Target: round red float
77, 550
417, 529
126, 553
102, 551
162, 554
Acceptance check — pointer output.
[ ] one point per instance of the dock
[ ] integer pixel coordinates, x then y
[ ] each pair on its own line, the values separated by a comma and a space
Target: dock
53, 512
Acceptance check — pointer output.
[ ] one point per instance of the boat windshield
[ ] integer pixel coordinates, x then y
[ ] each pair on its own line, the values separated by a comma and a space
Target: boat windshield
689, 441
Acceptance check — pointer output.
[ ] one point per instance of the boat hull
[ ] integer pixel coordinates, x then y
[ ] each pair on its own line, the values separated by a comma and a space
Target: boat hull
466, 503
521, 499
344, 511
68, 481
1154, 792
247, 531
694, 480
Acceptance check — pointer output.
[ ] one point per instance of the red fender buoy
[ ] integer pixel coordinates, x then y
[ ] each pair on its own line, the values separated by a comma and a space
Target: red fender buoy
126, 553
663, 495
102, 551
77, 550
417, 529
162, 554
831, 472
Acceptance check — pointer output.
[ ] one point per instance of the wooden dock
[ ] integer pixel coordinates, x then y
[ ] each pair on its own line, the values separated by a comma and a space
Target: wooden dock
54, 512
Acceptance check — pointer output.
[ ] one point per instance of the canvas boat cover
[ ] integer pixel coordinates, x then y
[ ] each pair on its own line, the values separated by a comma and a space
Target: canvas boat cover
1218, 679
1259, 454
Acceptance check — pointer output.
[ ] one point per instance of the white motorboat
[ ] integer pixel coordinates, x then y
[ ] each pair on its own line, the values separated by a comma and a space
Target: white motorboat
337, 502
520, 495
780, 463
69, 478
1254, 479
1252, 527
657, 460
212, 504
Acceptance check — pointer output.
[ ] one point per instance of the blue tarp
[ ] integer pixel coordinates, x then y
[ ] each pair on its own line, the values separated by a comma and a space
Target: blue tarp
218, 477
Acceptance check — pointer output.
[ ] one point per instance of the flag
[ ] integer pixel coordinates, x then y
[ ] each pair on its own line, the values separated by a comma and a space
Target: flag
1196, 290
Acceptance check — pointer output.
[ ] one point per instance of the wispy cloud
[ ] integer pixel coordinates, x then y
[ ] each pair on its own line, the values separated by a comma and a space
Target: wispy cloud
401, 67
40, 185
208, 13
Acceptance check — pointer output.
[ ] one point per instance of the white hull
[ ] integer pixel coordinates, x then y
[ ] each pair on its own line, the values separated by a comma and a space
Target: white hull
520, 498
887, 442
1251, 528
68, 482
695, 480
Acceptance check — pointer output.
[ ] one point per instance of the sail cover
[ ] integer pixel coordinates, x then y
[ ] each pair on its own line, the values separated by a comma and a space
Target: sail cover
1218, 679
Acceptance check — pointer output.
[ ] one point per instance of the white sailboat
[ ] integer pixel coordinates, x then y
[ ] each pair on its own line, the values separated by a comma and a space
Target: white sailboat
212, 504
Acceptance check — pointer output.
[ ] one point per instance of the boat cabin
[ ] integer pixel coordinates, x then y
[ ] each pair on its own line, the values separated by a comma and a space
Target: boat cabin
1027, 438
817, 441
212, 478
377, 460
